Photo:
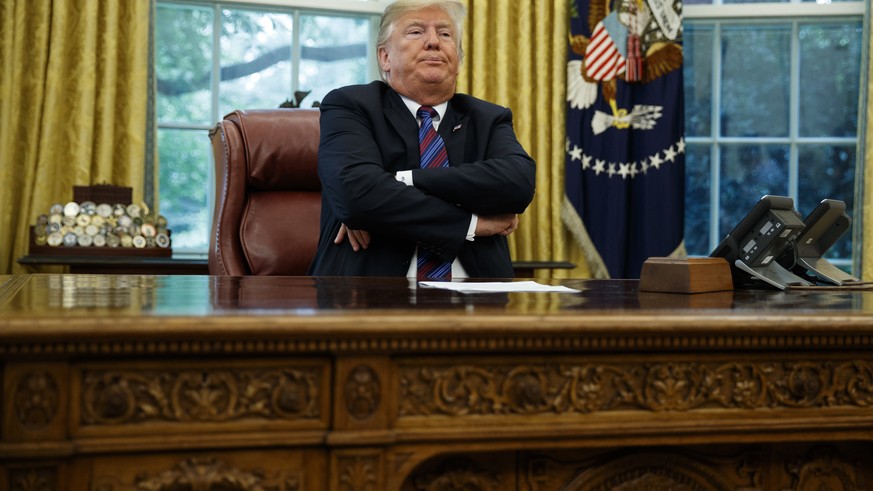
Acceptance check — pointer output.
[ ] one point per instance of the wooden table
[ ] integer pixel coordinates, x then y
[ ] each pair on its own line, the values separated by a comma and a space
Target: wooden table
93, 264
120, 382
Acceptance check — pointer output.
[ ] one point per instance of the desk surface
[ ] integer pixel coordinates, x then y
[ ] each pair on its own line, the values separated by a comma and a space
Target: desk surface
267, 295
130, 264
67, 307
144, 296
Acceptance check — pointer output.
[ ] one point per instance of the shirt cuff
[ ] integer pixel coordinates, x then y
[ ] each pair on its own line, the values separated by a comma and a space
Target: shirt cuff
405, 176
471, 232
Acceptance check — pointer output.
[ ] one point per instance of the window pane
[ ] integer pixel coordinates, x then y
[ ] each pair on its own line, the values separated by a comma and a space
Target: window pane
183, 62
697, 70
334, 53
260, 67
755, 80
827, 171
698, 186
184, 181
748, 172
255, 60
829, 78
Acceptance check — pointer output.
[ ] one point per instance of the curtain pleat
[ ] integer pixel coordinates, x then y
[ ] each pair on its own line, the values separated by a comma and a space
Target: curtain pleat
515, 56
74, 91
866, 185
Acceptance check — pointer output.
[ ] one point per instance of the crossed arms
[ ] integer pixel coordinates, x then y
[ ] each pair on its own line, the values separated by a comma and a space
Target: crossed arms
361, 151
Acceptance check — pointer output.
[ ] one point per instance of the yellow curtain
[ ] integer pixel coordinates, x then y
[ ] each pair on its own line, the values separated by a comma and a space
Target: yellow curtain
516, 56
866, 233
73, 81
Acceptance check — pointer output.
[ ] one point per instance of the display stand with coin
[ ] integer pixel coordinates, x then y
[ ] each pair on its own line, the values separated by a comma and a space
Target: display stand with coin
101, 221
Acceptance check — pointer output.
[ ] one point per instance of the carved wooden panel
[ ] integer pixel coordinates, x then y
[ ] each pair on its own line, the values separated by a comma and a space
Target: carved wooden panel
26, 478
36, 401
357, 470
459, 474
465, 472
362, 391
255, 471
827, 467
122, 398
642, 470
751, 467
578, 386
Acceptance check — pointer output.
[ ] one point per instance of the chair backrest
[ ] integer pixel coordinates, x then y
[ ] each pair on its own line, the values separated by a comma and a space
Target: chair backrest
268, 195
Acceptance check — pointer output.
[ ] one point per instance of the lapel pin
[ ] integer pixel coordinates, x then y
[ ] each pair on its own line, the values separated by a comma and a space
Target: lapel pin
456, 128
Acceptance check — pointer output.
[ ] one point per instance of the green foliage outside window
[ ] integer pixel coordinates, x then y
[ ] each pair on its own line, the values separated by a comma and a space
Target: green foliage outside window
266, 58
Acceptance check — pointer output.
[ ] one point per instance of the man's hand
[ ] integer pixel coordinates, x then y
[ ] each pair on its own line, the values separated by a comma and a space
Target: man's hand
359, 239
496, 225
487, 225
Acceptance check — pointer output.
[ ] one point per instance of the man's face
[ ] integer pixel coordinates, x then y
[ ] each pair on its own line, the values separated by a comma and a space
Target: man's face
421, 56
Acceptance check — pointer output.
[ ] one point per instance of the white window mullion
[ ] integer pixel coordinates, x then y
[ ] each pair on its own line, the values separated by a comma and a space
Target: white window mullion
296, 53
771, 10
794, 115
216, 61
216, 116
715, 150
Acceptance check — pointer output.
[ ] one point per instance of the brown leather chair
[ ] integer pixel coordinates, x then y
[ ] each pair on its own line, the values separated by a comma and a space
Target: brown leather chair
268, 196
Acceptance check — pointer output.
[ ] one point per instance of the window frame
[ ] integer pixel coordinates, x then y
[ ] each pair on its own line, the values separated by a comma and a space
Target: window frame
795, 13
368, 9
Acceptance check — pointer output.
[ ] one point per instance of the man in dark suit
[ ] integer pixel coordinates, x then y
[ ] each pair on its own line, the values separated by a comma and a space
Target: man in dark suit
376, 197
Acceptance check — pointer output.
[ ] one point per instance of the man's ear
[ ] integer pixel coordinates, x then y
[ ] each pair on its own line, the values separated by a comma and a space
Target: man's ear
383, 59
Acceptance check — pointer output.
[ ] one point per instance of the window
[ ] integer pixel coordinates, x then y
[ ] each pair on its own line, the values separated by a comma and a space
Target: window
771, 98
771, 107
212, 58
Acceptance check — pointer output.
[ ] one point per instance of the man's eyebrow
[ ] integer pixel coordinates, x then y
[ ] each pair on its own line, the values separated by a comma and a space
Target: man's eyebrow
413, 23
421, 23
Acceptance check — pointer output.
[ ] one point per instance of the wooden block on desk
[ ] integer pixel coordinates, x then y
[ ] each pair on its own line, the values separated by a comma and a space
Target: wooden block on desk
678, 301
692, 275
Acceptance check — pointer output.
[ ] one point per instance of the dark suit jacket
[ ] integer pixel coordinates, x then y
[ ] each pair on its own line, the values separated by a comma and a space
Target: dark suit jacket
367, 135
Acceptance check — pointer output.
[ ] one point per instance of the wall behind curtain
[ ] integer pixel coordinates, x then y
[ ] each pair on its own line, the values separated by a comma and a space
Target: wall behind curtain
515, 55
73, 81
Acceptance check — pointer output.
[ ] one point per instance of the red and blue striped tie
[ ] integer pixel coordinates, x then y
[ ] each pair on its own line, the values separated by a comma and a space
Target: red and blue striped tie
433, 154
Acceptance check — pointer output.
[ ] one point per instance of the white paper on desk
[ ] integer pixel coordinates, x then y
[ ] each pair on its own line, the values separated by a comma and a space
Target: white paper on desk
497, 287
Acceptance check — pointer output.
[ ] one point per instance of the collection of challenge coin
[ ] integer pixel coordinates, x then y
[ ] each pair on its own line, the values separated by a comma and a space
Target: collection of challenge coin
88, 224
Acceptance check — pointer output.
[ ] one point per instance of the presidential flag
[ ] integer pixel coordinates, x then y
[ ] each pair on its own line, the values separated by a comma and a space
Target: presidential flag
625, 151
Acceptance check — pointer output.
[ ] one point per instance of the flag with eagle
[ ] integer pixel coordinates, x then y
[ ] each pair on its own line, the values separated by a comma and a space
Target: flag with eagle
625, 151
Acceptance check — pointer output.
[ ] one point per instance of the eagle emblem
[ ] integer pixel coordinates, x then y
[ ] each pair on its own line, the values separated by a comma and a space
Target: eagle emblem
636, 42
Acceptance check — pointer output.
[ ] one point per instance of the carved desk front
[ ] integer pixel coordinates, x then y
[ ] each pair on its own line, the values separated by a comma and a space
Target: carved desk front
166, 383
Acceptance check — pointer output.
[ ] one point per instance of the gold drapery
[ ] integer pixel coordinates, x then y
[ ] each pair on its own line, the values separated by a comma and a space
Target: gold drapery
73, 81
866, 162
515, 55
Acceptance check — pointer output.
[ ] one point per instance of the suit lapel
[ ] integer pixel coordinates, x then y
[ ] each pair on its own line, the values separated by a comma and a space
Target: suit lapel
454, 133
404, 124
453, 130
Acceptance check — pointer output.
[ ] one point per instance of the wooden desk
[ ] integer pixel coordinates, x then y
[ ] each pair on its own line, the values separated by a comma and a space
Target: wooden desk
168, 265
117, 382
527, 269
118, 265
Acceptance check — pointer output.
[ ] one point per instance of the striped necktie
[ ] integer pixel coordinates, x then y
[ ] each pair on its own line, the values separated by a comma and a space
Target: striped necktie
433, 154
